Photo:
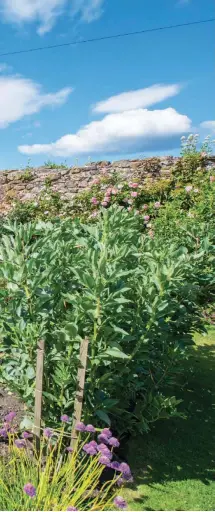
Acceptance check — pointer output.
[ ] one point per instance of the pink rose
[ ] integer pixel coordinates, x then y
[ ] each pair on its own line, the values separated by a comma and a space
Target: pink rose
134, 194
104, 203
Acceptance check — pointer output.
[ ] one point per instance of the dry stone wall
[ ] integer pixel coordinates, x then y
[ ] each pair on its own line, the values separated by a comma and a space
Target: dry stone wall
27, 185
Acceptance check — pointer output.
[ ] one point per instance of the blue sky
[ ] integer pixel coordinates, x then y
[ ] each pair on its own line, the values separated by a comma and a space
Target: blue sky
68, 103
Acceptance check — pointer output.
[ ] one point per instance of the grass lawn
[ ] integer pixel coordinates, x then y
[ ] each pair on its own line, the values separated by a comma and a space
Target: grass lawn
174, 465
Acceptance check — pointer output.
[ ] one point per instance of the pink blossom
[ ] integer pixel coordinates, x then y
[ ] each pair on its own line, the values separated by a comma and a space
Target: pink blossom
107, 199
94, 214
134, 194
130, 201
145, 207
108, 191
133, 185
104, 203
188, 188
95, 181
212, 178
146, 217
157, 204
94, 200
129, 208
114, 191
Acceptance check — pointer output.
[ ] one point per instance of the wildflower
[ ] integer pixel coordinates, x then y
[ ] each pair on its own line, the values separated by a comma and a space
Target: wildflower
103, 439
133, 185
212, 178
90, 428
3, 432
104, 460
108, 191
69, 449
114, 191
26, 435
120, 482
125, 469
95, 181
30, 490
188, 188
89, 449
134, 194
65, 419
145, 207
94, 214
151, 233
80, 427
157, 204
72, 508
130, 201
120, 186
94, 201
106, 432
105, 451
104, 203
203, 154
48, 432
137, 212
120, 503
196, 190
107, 199
46, 212
113, 441
10, 416
115, 465
20, 443
146, 217
129, 209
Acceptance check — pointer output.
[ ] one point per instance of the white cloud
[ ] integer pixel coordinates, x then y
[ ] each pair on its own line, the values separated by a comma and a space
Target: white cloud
140, 98
45, 12
20, 97
130, 131
88, 10
208, 125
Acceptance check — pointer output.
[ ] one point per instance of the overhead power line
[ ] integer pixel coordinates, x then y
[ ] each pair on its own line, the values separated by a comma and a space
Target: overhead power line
105, 38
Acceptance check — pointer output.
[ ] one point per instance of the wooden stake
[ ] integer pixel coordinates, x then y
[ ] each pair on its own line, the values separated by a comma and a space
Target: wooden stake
80, 389
38, 391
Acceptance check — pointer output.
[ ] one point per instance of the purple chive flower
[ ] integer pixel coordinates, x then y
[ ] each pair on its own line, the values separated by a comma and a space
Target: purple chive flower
69, 449
120, 503
80, 427
72, 508
106, 432
26, 435
103, 439
120, 482
30, 490
65, 419
113, 441
104, 460
105, 451
10, 416
125, 469
115, 465
94, 444
48, 432
89, 449
90, 428
20, 443
3, 432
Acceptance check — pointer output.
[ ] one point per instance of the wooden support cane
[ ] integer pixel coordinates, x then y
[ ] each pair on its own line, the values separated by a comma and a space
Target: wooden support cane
80, 389
38, 392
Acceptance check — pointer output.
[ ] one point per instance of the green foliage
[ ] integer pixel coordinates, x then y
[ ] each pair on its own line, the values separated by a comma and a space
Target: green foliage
53, 165
135, 298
